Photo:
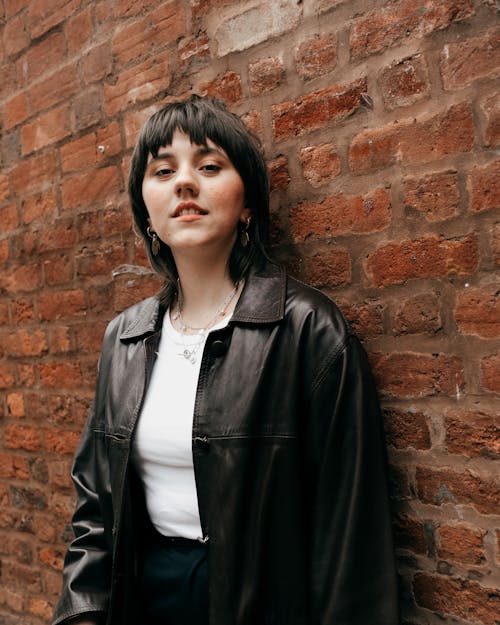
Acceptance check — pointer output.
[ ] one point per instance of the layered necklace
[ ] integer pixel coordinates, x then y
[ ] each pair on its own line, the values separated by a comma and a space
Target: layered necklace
189, 351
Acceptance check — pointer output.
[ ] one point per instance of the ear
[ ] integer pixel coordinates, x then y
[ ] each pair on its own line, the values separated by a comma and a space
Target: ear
246, 213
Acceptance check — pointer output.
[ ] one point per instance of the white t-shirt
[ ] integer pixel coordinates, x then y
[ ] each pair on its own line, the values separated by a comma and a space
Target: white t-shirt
162, 450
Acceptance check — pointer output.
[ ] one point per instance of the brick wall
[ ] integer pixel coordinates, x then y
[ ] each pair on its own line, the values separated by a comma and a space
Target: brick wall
380, 123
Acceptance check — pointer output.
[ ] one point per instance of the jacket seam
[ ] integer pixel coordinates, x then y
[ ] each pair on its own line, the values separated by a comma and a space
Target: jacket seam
328, 362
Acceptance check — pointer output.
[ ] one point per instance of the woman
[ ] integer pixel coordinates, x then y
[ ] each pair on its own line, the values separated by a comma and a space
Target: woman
232, 470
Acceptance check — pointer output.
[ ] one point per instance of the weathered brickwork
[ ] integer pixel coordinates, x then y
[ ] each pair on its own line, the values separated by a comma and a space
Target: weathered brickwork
380, 121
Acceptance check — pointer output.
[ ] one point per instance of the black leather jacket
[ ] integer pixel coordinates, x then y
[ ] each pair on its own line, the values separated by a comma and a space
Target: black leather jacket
289, 462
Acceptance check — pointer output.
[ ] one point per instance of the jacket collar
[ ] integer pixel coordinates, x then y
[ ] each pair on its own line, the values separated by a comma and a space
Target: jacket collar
262, 301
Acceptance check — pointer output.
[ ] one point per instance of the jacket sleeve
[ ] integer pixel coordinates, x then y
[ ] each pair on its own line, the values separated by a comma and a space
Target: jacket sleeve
352, 563
87, 566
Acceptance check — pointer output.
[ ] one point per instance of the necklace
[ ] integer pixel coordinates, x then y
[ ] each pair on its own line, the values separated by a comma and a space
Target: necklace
189, 352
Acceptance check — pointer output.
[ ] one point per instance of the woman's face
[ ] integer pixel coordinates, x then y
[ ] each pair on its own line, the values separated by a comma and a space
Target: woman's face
194, 196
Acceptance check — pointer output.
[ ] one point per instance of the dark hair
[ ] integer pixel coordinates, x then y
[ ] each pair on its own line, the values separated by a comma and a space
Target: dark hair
202, 119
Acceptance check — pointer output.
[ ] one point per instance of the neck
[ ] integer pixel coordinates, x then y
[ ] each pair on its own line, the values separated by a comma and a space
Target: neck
204, 288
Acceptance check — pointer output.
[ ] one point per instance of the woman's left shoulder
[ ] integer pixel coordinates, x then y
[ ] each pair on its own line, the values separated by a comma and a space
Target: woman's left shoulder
305, 300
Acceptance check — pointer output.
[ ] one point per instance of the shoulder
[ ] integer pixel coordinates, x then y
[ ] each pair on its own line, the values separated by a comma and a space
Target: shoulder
135, 321
309, 306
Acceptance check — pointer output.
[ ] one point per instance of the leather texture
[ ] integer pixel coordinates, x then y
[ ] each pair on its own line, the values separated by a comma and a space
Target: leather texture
289, 460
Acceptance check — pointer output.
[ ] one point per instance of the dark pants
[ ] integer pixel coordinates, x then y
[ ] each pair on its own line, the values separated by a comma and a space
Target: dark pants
174, 583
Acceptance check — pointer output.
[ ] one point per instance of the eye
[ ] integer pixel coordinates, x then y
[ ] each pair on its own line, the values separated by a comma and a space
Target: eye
210, 167
162, 172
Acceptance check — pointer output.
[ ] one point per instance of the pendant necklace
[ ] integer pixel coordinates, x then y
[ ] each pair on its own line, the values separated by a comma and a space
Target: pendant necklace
189, 352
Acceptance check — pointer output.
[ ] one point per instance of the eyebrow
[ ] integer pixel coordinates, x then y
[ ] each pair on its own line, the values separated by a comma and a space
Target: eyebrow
201, 151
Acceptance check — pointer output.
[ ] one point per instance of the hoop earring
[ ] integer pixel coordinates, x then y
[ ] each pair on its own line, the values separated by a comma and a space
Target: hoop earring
155, 241
244, 236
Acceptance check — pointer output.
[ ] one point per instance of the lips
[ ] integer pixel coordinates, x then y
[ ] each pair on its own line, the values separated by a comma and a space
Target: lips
188, 208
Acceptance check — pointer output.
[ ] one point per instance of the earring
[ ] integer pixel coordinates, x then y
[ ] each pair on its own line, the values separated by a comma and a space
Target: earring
155, 241
244, 236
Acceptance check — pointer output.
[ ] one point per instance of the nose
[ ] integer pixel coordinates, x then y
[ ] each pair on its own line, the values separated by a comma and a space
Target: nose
186, 182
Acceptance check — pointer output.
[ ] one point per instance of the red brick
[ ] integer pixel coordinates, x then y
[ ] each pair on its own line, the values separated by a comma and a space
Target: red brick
417, 315
14, 6
41, 607
406, 429
23, 576
117, 220
60, 375
61, 442
490, 373
253, 121
419, 141
329, 268
455, 597
8, 80
61, 304
52, 558
127, 8
410, 374
16, 110
40, 205
4, 251
146, 36
366, 318
404, 82
483, 184
386, 27
409, 534
491, 112
22, 310
478, 312
60, 340
317, 56
429, 257
16, 35
15, 405
25, 343
64, 409
278, 173
88, 226
342, 214
95, 188
22, 278
22, 437
34, 172
60, 85
4, 188
58, 269
473, 434
436, 196
91, 149
194, 52
27, 375
102, 260
78, 30
265, 75
46, 129
13, 467
226, 87
439, 487
46, 56
475, 58
133, 123
137, 84
495, 243
59, 235
129, 288
43, 15
97, 63
8, 217
320, 163
87, 106
316, 109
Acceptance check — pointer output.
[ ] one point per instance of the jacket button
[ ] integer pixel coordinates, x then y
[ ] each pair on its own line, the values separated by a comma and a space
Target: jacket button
218, 348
